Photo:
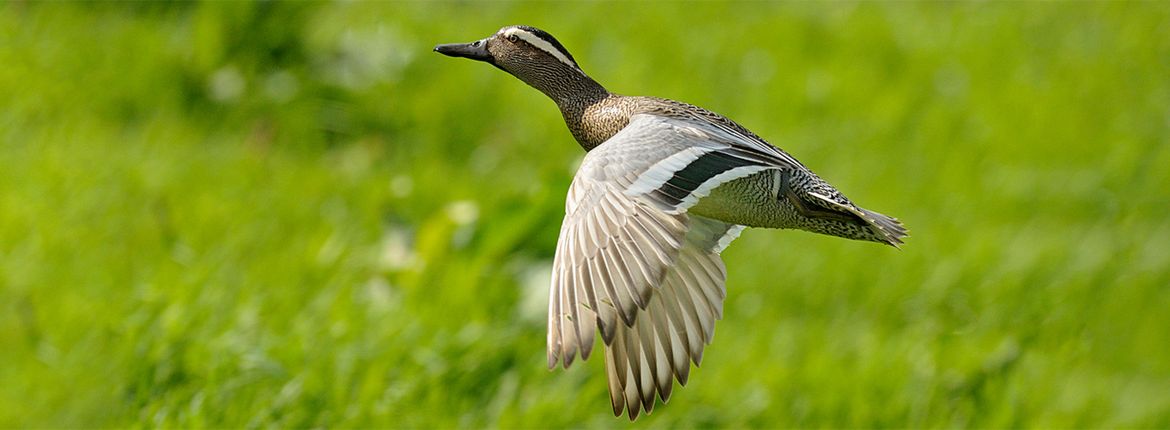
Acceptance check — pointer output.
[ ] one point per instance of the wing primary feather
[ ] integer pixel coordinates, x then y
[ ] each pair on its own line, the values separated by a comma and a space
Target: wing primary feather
554, 317
680, 341
643, 241
568, 330
615, 363
716, 271
586, 288
633, 402
663, 375
599, 294
627, 308
645, 367
657, 227
594, 242
632, 255
695, 321
647, 341
699, 276
704, 317
663, 230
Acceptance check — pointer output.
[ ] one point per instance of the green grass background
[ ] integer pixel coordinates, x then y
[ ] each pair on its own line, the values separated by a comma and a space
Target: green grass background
235, 214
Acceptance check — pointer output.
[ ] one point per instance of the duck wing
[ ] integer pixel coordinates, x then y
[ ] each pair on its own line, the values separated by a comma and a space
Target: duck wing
633, 264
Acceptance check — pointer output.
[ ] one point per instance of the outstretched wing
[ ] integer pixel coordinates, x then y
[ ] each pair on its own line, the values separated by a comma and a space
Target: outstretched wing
679, 321
631, 262
613, 249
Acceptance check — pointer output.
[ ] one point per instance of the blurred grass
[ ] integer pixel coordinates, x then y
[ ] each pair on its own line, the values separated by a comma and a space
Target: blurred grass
235, 214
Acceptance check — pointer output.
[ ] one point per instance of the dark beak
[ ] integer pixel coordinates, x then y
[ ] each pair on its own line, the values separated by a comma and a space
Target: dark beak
476, 50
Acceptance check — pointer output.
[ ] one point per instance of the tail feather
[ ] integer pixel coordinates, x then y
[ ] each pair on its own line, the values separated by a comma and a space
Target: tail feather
886, 229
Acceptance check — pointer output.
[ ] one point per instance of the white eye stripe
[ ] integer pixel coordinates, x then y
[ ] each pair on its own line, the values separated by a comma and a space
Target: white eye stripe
541, 44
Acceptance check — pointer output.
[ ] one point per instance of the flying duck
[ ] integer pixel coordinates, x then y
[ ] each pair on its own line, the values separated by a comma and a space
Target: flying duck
664, 187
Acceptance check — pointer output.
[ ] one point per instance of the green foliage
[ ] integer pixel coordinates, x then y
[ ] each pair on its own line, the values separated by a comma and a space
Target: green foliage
234, 214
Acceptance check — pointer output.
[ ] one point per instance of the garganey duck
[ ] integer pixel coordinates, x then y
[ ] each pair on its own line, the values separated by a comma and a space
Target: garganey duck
665, 186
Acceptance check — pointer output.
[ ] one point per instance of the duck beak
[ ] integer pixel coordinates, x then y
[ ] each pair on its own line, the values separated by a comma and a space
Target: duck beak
476, 50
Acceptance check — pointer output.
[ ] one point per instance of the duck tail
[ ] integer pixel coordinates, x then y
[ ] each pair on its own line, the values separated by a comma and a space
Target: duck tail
882, 228
886, 227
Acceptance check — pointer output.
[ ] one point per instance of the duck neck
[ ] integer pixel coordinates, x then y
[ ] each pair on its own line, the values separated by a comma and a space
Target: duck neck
575, 93
579, 111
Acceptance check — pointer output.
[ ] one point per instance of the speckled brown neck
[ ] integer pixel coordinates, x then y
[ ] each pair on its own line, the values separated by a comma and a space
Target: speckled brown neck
591, 112
595, 121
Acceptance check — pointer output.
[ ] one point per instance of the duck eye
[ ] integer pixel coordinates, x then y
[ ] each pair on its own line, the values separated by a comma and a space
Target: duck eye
513, 38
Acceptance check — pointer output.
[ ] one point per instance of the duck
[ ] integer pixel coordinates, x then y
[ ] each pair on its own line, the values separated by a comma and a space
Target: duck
664, 187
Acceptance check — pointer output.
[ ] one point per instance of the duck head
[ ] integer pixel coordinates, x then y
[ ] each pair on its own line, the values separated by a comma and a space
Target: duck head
533, 56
